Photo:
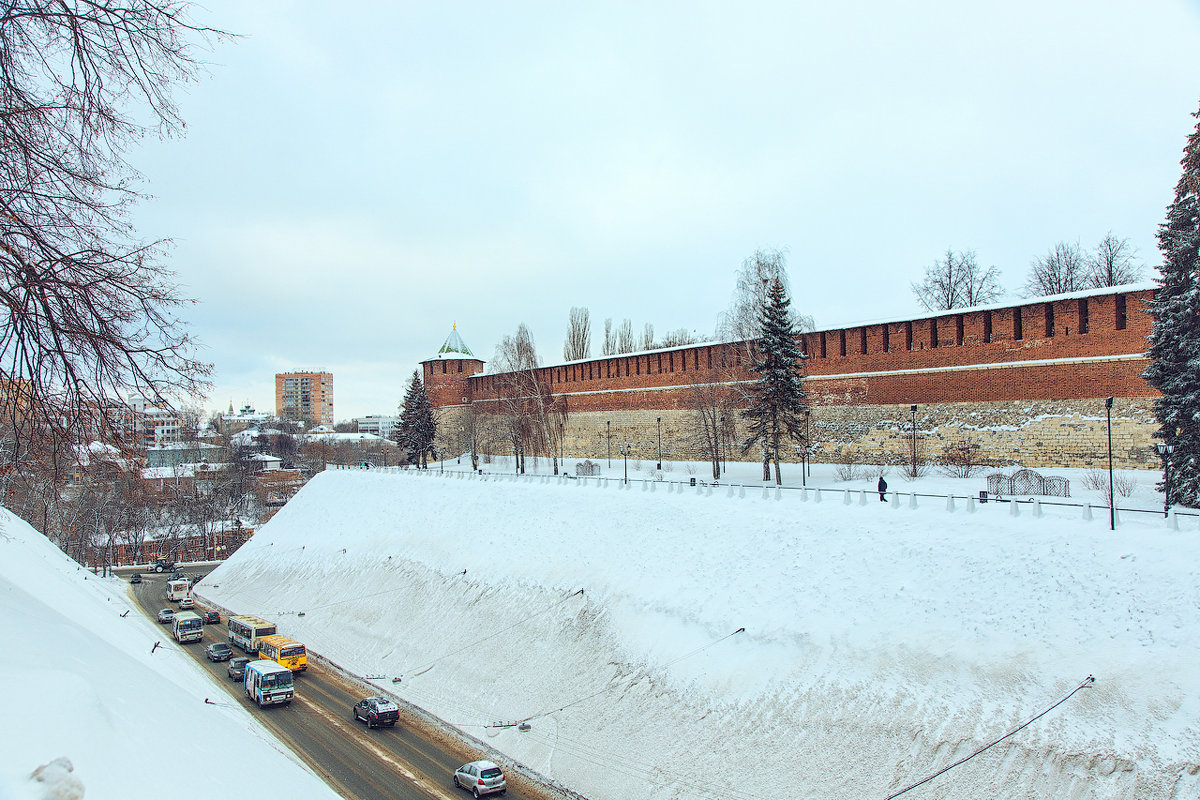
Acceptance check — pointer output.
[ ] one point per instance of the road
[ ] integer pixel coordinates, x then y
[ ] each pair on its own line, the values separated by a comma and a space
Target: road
413, 761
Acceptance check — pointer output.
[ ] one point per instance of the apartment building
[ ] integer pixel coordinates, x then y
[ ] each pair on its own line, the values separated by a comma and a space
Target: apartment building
306, 396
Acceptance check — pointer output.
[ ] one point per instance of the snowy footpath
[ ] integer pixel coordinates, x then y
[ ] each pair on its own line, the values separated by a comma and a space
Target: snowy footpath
645, 643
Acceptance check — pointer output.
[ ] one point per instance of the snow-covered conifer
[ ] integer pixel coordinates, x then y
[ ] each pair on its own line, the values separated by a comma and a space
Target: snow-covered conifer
418, 426
1175, 339
777, 398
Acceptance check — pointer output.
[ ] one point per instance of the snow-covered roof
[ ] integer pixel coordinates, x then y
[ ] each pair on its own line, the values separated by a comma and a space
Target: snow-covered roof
453, 347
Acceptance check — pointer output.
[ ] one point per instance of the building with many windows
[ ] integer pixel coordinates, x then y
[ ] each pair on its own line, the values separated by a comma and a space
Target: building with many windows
306, 396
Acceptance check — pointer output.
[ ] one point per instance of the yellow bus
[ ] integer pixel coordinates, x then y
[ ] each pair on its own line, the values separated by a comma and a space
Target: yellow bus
284, 651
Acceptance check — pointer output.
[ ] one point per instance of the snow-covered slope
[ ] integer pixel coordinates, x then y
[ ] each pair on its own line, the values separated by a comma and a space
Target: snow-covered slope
735, 646
78, 681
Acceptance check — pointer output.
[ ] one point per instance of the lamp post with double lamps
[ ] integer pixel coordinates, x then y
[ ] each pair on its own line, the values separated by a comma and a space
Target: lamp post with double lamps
625, 450
1112, 509
1165, 450
608, 435
913, 409
659, 444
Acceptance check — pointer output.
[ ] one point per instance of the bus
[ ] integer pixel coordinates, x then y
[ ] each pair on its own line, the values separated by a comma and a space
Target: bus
245, 631
268, 683
187, 627
177, 590
284, 651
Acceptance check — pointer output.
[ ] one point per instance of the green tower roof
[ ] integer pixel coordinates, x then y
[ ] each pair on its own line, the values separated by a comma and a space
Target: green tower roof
455, 344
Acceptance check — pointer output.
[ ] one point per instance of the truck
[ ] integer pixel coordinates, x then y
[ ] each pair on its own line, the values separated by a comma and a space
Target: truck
187, 627
268, 683
177, 590
164, 564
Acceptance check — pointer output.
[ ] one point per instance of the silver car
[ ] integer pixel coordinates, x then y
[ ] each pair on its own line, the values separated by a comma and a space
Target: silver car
480, 778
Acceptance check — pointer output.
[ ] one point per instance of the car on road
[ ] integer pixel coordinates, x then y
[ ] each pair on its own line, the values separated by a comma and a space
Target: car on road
176, 576
187, 602
480, 778
194, 579
211, 617
237, 667
376, 711
219, 651
135, 577
166, 615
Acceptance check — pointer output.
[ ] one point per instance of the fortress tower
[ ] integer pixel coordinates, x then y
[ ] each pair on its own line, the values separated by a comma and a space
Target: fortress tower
446, 376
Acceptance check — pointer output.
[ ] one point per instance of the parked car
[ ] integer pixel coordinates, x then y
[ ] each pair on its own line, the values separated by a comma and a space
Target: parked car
187, 602
480, 778
219, 651
211, 617
237, 667
166, 615
135, 577
376, 711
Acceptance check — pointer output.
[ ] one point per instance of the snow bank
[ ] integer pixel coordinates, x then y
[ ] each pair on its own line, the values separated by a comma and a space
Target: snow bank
879, 644
89, 708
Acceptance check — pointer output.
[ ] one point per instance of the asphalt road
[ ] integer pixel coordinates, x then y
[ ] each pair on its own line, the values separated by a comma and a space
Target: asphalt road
412, 761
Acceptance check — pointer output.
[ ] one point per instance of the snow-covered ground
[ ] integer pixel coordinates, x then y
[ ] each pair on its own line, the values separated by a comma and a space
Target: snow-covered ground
78, 681
731, 644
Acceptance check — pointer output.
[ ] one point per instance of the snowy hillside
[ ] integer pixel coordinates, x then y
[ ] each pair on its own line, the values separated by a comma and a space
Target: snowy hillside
78, 682
880, 644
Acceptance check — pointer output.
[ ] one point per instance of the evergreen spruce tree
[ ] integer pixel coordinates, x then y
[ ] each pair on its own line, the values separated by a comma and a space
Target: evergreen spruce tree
418, 426
1175, 338
777, 397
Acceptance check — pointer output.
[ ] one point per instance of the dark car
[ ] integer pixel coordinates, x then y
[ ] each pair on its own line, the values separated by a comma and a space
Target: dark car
376, 711
135, 577
237, 667
194, 579
176, 576
211, 617
219, 651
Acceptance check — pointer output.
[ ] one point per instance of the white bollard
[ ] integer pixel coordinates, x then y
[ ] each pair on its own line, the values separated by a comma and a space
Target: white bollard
1037, 508
912, 500
804, 495
1116, 516
950, 503
1013, 509
1172, 521
817, 496
645, 486
778, 493
652, 485
970, 505
709, 492
741, 491
895, 501
766, 492
1087, 512
846, 497
862, 498
730, 492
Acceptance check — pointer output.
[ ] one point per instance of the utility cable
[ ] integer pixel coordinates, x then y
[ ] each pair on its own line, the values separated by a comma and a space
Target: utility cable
1087, 682
612, 686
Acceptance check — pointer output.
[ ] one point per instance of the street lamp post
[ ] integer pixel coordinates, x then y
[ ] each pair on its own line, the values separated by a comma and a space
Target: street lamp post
913, 409
659, 443
624, 450
608, 435
807, 443
1165, 451
1112, 509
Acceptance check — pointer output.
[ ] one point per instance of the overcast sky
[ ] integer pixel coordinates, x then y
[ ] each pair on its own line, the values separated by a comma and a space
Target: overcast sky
352, 184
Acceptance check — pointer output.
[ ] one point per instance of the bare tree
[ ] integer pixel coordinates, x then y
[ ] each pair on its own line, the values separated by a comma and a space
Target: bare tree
624, 337
647, 337
1063, 269
713, 405
1113, 264
957, 281
579, 335
609, 347
678, 338
87, 310
534, 417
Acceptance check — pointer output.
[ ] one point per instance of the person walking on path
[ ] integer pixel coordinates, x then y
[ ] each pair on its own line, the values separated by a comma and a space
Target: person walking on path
882, 487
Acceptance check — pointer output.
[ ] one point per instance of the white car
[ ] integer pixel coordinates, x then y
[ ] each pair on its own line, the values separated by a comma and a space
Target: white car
187, 602
480, 778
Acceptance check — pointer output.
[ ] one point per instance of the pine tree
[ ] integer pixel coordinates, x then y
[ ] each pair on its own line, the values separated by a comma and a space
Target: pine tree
418, 426
777, 398
1175, 339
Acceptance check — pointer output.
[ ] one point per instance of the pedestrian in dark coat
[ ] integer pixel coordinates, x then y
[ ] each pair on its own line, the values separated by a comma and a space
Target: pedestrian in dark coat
882, 487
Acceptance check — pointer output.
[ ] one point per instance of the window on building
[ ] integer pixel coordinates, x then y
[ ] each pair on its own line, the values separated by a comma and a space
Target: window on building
824, 349
933, 337
887, 339
1083, 315
987, 326
960, 334
443, 367
1018, 331
908, 335
862, 341
1120, 309
460, 365
842, 340
1049, 314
